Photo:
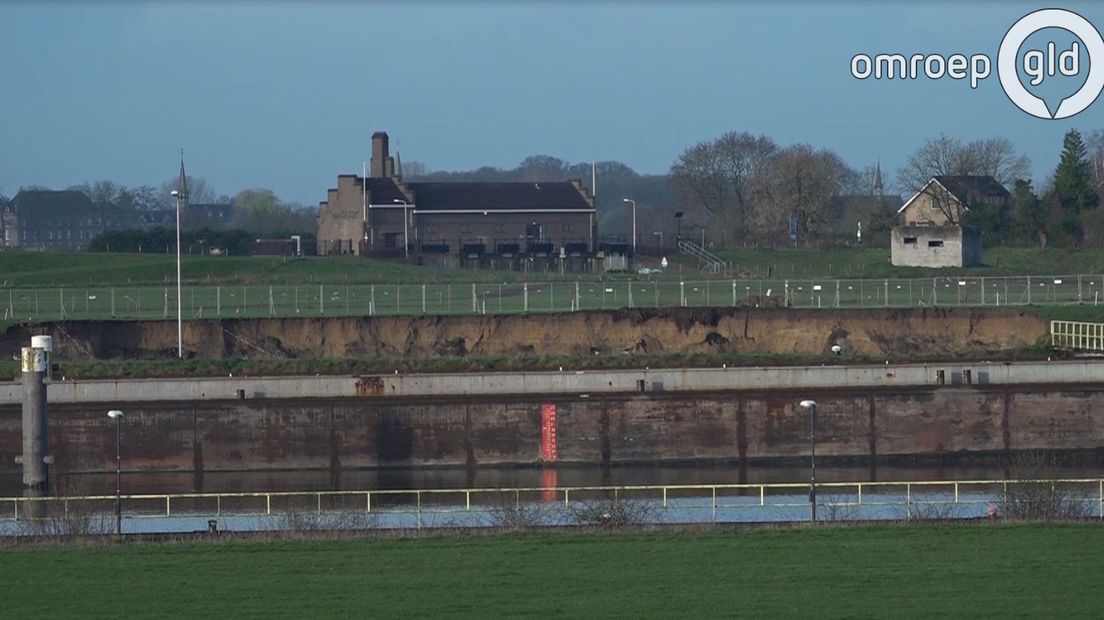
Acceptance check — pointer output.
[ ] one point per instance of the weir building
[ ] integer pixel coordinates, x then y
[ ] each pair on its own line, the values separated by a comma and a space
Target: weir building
493, 224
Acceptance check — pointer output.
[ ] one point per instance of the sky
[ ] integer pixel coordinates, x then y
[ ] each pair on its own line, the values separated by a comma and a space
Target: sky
285, 95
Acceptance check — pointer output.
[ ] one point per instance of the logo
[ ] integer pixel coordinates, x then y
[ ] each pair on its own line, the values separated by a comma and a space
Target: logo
1044, 44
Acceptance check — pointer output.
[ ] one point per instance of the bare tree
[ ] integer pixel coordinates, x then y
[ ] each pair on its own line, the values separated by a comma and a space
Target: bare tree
199, 191
719, 177
1095, 144
100, 192
995, 157
804, 183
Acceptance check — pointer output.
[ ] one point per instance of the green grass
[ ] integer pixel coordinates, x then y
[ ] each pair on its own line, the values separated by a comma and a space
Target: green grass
54, 269
874, 263
1037, 571
120, 369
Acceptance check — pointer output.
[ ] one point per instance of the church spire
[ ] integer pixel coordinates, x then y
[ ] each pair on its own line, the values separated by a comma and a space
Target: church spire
398, 160
182, 183
878, 189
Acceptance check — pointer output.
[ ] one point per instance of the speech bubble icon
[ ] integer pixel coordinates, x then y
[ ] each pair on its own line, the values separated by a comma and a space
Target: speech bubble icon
1049, 63
1053, 65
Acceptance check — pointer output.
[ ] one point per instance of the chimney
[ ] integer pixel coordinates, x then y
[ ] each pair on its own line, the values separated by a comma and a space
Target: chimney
379, 154
390, 167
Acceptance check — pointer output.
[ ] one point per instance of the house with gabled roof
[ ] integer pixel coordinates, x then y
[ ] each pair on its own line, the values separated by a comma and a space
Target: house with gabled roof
479, 223
931, 231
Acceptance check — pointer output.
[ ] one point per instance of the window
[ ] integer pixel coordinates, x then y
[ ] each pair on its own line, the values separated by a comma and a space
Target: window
910, 240
465, 228
935, 243
567, 227
500, 228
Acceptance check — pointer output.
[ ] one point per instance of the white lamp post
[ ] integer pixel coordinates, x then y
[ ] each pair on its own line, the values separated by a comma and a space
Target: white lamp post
812, 407
179, 312
406, 241
117, 415
633, 203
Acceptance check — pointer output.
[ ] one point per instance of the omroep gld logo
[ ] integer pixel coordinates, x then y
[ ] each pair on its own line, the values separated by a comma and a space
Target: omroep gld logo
1044, 57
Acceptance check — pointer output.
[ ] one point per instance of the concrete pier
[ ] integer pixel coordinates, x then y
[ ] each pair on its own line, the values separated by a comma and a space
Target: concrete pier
35, 437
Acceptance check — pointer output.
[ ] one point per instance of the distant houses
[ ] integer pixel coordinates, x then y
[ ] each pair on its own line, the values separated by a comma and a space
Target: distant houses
931, 231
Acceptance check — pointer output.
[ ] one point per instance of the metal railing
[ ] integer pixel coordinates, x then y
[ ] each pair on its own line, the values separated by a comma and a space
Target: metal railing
710, 261
670, 503
258, 301
1077, 335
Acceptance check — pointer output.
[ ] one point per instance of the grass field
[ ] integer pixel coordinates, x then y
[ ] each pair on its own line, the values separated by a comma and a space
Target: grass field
1039, 571
54, 269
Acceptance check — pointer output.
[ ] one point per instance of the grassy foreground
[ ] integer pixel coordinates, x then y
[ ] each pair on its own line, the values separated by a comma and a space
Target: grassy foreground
876, 571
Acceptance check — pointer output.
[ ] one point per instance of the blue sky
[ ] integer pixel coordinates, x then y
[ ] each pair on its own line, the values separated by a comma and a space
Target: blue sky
285, 95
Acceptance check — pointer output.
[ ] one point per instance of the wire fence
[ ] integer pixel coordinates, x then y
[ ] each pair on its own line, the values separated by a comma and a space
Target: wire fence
257, 301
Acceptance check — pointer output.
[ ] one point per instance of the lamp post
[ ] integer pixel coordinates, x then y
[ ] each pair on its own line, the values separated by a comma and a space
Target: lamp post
678, 230
179, 312
633, 203
812, 407
406, 242
117, 415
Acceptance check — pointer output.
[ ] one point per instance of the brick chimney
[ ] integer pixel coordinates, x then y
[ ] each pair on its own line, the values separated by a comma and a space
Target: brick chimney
379, 154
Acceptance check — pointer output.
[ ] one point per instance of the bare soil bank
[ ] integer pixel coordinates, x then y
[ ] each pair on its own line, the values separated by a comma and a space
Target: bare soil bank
892, 332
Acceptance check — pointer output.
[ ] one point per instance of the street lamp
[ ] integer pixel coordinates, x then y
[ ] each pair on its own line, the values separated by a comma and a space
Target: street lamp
406, 242
117, 415
678, 231
633, 203
812, 407
179, 312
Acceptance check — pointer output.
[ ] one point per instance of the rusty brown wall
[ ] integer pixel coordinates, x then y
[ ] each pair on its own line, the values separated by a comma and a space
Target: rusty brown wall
266, 434
665, 330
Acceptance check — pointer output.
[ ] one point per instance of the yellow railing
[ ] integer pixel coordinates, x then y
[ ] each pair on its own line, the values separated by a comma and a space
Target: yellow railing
1077, 335
915, 494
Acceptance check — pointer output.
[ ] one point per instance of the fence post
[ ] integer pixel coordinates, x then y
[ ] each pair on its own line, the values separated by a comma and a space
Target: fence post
734, 293
983, 290
475, 302
423, 299
218, 301
1029, 290
886, 300
525, 296
321, 300
629, 286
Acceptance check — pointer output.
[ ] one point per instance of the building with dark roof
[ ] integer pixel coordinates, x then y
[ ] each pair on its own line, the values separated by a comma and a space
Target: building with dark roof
380, 214
932, 233
60, 220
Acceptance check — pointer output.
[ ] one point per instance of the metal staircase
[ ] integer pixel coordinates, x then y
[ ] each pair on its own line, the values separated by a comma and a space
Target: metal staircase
709, 261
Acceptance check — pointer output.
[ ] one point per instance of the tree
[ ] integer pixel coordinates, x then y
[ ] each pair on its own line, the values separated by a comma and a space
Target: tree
1028, 215
1095, 145
995, 157
199, 192
100, 192
1073, 177
804, 182
723, 177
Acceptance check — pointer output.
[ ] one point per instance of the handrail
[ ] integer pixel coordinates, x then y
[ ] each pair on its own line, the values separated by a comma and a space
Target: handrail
571, 489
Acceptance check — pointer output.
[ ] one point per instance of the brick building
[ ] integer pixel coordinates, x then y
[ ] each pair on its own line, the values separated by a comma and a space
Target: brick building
59, 220
494, 223
932, 233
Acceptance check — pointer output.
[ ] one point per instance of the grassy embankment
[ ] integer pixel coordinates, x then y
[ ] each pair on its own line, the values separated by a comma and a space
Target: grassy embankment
50, 269
857, 571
